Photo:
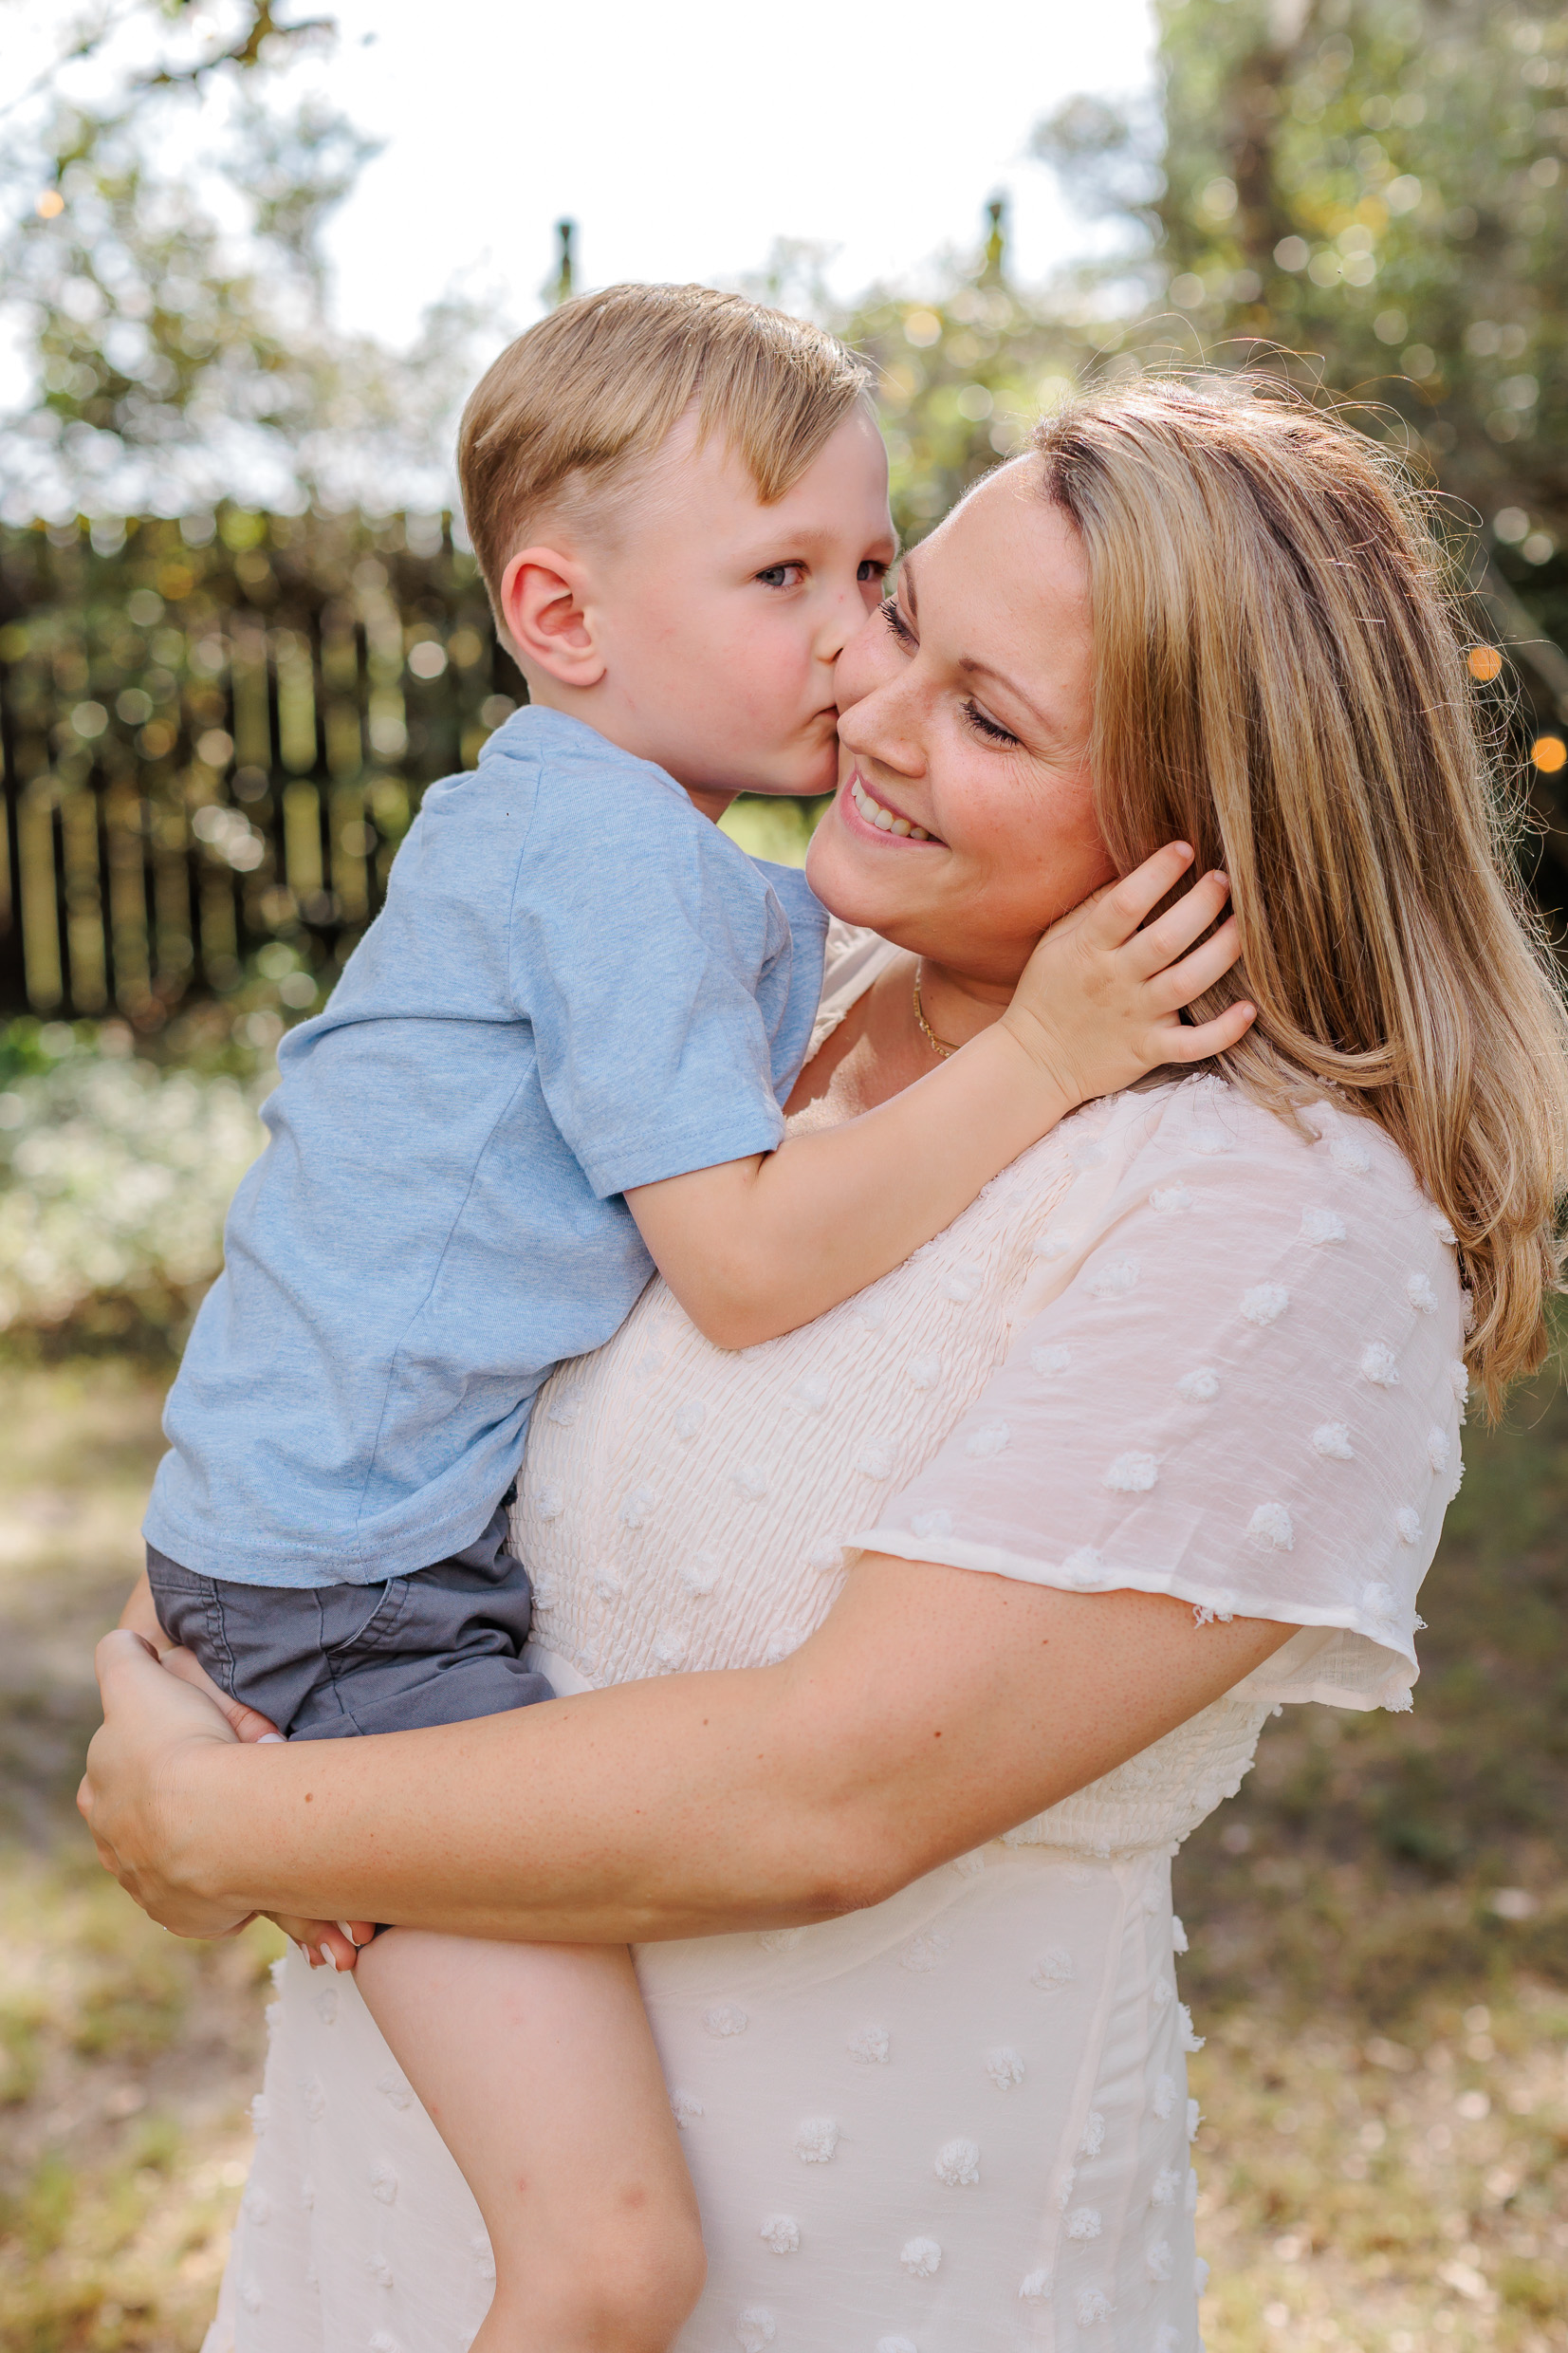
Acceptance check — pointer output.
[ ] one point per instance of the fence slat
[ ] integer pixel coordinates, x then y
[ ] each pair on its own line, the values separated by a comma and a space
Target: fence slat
84, 935
125, 818
40, 897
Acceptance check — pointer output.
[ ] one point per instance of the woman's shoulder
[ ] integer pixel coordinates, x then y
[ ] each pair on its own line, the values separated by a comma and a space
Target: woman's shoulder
1204, 1132
1196, 1192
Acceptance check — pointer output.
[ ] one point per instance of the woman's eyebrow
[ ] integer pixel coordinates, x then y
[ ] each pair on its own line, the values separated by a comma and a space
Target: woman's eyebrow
906, 583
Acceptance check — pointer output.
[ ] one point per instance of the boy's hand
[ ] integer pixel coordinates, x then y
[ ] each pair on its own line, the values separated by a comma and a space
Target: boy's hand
1099, 1002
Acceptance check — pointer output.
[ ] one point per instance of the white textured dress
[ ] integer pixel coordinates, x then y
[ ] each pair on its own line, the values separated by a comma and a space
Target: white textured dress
1175, 1347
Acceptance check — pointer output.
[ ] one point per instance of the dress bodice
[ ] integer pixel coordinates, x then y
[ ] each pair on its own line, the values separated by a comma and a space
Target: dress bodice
685, 1508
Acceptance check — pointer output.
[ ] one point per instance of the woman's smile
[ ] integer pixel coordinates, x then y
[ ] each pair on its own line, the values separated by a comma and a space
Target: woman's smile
879, 816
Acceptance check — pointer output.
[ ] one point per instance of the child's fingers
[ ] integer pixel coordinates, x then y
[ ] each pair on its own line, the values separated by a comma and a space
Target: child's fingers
1070, 921
1125, 905
1197, 1042
1178, 984
1160, 943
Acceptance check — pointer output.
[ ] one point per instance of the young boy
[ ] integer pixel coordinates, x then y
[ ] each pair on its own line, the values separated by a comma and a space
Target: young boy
555, 1061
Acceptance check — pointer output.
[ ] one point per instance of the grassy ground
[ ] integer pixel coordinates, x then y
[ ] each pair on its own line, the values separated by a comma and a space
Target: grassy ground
1379, 1929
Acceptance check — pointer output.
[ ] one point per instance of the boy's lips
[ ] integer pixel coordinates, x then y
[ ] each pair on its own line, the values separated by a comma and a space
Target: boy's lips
879, 814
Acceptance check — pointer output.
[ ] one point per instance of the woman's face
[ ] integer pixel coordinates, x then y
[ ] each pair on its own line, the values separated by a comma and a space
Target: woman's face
965, 710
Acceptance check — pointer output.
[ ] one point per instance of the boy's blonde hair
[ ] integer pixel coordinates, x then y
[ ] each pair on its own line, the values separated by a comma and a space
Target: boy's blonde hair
578, 402
1280, 680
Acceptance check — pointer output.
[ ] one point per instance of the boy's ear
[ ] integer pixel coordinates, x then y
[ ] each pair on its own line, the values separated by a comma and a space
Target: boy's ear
542, 610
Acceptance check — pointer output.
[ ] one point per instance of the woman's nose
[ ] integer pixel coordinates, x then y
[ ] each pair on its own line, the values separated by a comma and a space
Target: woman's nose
879, 726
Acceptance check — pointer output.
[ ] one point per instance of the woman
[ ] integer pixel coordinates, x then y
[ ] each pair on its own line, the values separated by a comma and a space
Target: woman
1184, 1385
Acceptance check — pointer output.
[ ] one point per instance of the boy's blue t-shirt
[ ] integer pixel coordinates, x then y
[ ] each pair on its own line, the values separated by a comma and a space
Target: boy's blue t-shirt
578, 984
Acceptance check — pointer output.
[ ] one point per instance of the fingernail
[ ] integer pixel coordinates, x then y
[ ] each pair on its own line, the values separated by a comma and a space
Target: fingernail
331, 1958
268, 1739
347, 1934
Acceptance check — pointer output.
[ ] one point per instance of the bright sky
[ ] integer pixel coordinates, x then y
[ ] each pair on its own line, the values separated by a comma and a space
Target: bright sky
685, 138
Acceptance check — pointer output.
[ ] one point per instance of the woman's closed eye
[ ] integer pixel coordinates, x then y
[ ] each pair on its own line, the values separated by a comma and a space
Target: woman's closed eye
895, 622
979, 722
989, 730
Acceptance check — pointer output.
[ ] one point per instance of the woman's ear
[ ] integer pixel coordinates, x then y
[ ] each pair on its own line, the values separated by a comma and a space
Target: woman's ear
544, 612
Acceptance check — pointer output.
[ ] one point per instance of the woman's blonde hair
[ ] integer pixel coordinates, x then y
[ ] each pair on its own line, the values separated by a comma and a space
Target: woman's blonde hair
1280, 680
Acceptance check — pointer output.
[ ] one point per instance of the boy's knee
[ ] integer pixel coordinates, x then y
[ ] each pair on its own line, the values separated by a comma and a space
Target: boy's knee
630, 2288
652, 2272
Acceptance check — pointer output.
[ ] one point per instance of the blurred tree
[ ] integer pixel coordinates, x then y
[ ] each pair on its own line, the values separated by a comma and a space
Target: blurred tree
1379, 186
963, 372
169, 298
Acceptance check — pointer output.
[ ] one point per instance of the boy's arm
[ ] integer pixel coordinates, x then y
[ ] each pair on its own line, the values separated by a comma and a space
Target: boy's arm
759, 1246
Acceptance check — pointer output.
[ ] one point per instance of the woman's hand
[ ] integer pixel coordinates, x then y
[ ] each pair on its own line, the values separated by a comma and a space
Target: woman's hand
249, 1724
1101, 999
326, 1944
130, 1756
155, 1723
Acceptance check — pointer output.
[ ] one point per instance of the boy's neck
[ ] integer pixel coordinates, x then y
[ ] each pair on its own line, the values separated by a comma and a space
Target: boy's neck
706, 801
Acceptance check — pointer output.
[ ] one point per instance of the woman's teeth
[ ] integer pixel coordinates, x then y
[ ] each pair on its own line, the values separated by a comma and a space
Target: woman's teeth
883, 818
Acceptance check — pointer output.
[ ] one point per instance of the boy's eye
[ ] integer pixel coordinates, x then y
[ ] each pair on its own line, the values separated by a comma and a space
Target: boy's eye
778, 575
873, 568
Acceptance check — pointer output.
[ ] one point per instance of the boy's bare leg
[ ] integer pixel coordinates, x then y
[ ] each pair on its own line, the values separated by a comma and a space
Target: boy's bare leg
537, 2067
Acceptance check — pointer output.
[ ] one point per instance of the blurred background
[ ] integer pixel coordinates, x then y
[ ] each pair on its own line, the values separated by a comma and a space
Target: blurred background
252, 260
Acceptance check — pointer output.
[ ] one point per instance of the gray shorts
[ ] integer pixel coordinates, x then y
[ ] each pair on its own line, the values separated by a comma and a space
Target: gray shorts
324, 1662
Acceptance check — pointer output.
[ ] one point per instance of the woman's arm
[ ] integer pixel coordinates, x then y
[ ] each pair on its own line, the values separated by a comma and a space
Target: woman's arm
933, 1709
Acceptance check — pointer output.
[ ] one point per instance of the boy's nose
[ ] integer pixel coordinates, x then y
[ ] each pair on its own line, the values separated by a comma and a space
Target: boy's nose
846, 616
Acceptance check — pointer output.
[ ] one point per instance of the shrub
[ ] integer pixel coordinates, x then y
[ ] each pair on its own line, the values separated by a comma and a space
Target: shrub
115, 1176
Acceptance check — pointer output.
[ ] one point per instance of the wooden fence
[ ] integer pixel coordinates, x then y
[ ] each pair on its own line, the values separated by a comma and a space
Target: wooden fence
214, 735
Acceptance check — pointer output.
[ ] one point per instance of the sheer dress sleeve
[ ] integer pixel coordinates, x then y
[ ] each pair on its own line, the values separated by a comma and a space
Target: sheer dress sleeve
1237, 1381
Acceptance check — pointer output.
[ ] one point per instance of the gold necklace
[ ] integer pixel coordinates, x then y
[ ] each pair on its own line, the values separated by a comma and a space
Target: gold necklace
938, 1046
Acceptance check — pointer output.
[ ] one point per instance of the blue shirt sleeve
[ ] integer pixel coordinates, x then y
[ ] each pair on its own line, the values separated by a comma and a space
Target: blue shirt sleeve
652, 961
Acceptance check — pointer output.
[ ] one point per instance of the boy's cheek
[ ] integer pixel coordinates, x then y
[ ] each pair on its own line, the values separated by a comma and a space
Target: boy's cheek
796, 776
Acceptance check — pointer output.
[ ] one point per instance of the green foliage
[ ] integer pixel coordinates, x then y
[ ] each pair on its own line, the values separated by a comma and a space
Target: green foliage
961, 371
115, 1179
1376, 187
